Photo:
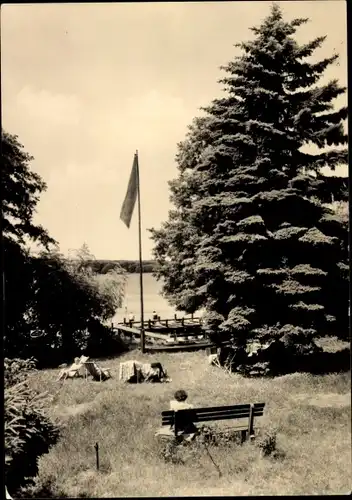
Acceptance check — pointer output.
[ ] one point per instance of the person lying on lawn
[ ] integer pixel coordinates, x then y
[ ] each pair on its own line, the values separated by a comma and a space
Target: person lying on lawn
187, 428
71, 371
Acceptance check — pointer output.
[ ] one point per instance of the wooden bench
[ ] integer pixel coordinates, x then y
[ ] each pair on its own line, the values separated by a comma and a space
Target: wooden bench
245, 416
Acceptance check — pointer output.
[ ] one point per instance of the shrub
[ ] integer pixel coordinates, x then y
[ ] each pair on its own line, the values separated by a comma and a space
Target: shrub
208, 435
169, 452
16, 370
29, 433
267, 442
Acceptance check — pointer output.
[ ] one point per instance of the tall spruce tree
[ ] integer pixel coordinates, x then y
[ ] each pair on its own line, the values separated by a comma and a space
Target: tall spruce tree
250, 238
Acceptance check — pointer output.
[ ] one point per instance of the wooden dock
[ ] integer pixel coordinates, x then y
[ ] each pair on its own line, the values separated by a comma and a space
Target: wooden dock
178, 347
166, 325
166, 335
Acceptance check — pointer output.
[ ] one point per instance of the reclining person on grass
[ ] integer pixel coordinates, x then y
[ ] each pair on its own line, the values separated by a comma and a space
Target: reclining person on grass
72, 371
187, 429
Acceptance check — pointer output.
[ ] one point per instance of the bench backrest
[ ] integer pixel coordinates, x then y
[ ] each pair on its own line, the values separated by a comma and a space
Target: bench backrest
178, 418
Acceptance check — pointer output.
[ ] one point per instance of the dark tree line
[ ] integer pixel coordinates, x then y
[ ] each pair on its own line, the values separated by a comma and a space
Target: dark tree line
54, 309
130, 266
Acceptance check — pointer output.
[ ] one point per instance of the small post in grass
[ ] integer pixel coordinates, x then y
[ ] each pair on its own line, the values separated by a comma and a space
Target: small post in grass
96, 446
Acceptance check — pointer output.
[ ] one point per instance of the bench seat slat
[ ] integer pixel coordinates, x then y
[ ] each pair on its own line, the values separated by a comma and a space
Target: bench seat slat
218, 408
206, 418
243, 412
235, 413
212, 408
222, 408
259, 405
197, 417
240, 424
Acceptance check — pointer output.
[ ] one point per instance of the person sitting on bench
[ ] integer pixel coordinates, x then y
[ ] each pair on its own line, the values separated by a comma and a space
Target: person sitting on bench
187, 429
155, 316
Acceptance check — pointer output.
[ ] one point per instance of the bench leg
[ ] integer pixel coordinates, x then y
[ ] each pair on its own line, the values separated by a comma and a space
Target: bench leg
243, 436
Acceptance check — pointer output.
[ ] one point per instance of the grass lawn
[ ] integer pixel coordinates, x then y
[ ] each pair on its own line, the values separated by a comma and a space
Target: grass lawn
310, 413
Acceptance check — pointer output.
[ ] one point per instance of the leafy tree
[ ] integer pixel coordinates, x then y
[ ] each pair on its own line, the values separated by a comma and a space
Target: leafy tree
21, 189
68, 309
250, 238
53, 306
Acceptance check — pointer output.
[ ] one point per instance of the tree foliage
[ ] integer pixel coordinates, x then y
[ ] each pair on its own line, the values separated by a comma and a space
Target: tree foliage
54, 307
21, 188
130, 266
250, 238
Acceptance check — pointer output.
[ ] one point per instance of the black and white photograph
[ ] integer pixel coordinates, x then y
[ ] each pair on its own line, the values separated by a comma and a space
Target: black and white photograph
175, 249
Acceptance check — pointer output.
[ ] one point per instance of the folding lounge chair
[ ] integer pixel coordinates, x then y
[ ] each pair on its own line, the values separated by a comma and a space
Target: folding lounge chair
97, 373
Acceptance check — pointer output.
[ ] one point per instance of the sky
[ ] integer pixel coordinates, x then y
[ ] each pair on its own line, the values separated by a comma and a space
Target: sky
86, 85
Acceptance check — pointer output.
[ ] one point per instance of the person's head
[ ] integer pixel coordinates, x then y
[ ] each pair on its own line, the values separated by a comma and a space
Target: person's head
180, 395
77, 360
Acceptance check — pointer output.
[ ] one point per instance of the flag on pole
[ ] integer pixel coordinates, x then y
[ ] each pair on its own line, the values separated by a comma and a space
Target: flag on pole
131, 195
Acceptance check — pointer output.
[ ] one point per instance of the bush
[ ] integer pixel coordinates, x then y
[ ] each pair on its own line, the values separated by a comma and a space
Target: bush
16, 370
267, 443
169, 452
66, 311
209, 436
29, 433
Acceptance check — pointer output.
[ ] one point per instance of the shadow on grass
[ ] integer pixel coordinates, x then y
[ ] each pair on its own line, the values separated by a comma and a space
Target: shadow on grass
316, 363
45, 490
319, 363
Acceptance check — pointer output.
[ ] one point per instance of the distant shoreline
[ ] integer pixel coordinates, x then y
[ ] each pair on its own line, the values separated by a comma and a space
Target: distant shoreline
131, 266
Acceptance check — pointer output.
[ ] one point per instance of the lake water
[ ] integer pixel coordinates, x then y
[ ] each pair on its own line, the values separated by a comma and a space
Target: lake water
153, 301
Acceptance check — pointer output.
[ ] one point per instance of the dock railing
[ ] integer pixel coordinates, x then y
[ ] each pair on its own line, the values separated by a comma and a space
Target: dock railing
184, 321
169, 328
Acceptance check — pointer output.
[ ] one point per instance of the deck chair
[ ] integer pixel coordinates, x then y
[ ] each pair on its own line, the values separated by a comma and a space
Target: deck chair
73, 370
97, 373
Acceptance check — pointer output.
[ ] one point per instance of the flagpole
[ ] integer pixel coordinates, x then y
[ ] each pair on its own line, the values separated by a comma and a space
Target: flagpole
140, 258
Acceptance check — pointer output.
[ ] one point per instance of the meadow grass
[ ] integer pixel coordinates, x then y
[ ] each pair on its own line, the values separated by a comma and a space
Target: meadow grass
311, 415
